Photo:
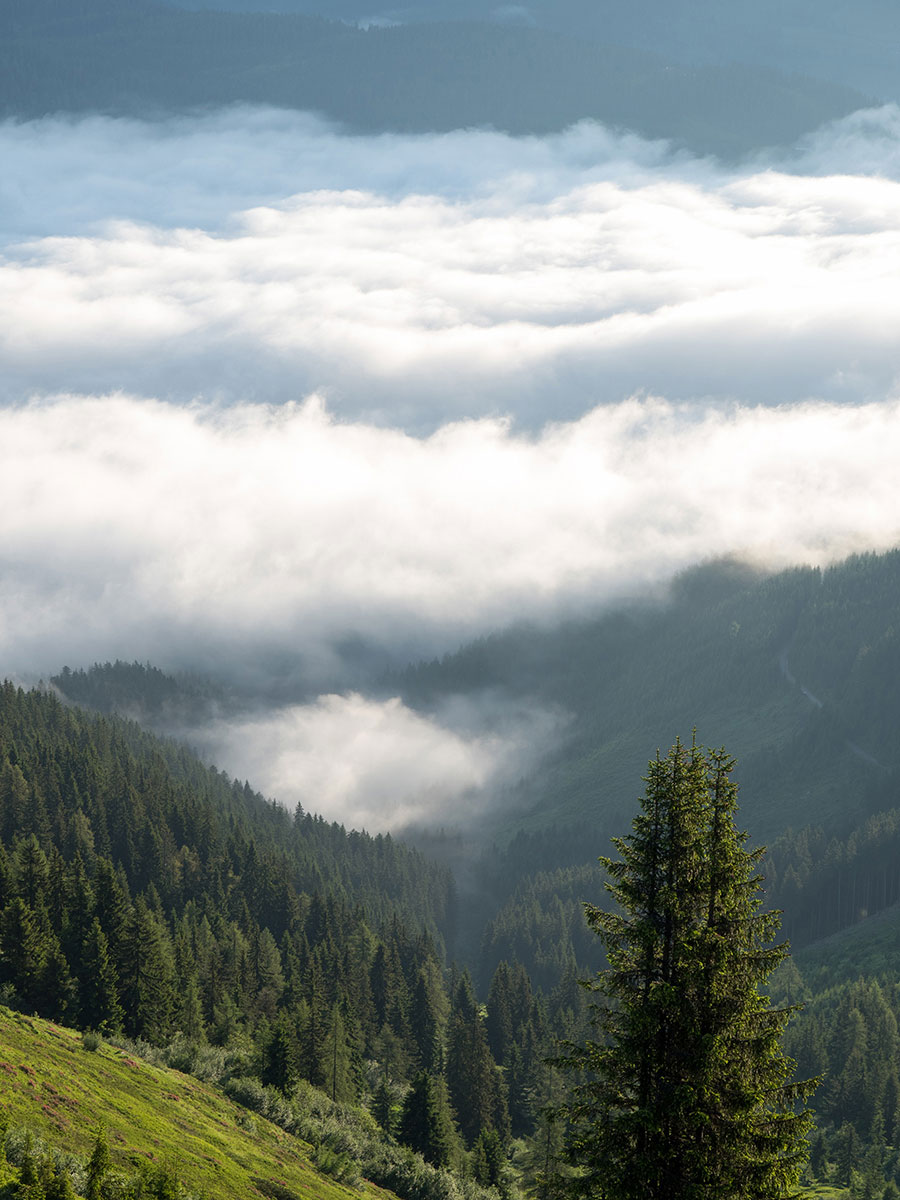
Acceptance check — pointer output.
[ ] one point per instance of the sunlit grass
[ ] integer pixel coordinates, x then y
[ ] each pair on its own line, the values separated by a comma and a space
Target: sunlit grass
51, 1084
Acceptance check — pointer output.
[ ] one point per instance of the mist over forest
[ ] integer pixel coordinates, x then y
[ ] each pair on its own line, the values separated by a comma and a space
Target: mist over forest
412, 415
337, 340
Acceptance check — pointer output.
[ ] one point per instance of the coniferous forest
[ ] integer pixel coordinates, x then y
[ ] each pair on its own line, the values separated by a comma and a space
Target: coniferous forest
147, 896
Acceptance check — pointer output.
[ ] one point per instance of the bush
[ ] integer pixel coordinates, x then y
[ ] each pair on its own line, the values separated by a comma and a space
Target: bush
209, 1063
338, 1166
138, 1048
273, 1189
247, 1091
22, 1142
278, 1110
91, 1041
115, 1186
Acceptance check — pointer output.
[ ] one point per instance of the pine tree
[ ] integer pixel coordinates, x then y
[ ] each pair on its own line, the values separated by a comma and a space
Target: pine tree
265, 964
337, 1059
29, 1183
189, 1010
476, 1086
23, 950
499, 1022
314, 1024
279, 1057
425, 1123
546, 1174
383, 1106
687, 1092
489, 1161
98, 1165
79, 914
55, 988
424, 1024
146, 990
55, 1181
99, 1008
111, 906
847, 1154
15, 800
817, 1157
31, 872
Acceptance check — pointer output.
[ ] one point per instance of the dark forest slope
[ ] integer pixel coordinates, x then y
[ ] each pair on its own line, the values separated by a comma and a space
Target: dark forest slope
796, 673
101, 786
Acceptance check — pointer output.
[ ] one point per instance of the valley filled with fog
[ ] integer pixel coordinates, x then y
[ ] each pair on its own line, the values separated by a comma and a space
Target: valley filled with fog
293, 408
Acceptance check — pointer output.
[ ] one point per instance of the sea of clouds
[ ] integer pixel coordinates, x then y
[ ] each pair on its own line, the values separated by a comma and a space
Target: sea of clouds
267, 387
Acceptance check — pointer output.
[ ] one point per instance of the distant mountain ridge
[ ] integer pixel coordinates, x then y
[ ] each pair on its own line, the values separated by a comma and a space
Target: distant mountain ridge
140, 58
850, 44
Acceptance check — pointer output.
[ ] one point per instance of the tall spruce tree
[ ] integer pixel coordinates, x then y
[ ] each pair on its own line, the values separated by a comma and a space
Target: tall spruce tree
425, 1123
146, 983
475, 1083
686, 1091
99, 1008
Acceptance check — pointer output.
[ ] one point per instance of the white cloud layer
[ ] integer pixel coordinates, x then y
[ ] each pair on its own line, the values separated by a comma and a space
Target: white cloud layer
139, 529
574, 271
267, 389
69, 175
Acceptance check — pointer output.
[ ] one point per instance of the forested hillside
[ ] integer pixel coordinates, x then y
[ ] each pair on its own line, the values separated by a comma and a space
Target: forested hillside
137, 56
147, 694
145, 894
794, 672
94, 787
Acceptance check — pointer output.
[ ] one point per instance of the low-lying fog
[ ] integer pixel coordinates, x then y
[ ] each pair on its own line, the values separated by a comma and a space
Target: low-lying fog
267, 388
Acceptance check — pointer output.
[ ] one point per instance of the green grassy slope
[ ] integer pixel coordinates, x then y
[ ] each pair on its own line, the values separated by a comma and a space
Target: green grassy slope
61, 1091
